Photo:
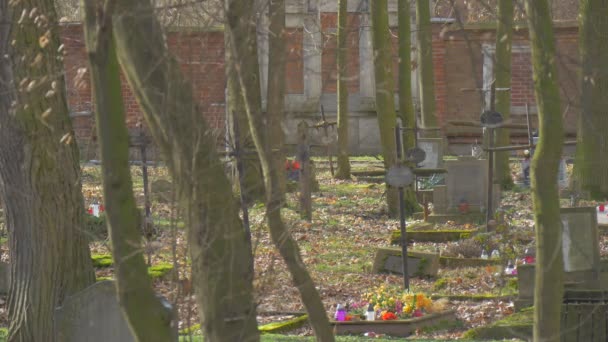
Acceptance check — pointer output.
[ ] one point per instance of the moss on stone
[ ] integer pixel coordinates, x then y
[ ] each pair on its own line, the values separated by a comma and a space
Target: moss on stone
159, 270
291, 324
431, 235
518, 325
102, 260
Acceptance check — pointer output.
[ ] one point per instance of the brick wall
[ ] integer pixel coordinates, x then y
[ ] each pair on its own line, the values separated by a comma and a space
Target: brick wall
457, 59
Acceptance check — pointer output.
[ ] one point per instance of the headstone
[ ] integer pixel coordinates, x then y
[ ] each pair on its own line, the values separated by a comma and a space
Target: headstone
467, 180
433, 147
562, 174
580, 239
162, 190
419, 263
93, 315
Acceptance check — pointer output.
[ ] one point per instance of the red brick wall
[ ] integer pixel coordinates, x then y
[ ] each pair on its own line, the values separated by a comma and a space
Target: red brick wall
457, 61
329, 24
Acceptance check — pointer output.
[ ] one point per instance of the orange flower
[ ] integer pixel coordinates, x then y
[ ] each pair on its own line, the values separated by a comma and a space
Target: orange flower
387, 316
348, 318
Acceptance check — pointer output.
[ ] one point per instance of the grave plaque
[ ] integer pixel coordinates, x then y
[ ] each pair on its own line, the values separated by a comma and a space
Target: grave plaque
434, 153
93, 315
418, 263
580, 239
467, 180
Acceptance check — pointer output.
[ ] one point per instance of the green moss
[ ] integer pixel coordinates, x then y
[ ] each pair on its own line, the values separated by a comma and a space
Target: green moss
440, 283
159, 270
284, 326
517, 325
430, 235
190, 330
102, 260
104, 278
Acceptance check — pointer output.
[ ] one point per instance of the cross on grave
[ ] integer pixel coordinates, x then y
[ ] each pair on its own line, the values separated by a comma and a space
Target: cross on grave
142, 141
327, 139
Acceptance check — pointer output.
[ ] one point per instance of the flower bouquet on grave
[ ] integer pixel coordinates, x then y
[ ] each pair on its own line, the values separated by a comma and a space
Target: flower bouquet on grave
392, 303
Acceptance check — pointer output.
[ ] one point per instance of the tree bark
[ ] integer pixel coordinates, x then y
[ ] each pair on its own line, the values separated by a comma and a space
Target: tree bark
220, 250
237, 13
277, 56
502, 74
343, 171
148, 318
548, 291
252, 173
591, 164
406, 103
385, 99
426, 81
39, 173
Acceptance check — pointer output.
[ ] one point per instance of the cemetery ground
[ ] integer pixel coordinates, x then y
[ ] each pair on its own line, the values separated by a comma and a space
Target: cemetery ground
350, 223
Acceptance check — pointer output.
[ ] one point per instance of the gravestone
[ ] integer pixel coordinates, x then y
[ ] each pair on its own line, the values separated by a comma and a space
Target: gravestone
94, 315
466, 180
580, 246
419, 263
162, 191
440, 199
580, 240
433, 147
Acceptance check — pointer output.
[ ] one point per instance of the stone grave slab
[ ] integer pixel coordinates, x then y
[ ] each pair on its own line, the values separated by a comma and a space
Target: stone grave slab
93, 315
433, 147
466, 180
583, 268
419, 263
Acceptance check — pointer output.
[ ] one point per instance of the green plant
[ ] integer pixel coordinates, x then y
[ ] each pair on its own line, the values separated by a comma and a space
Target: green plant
159, 270
102, 260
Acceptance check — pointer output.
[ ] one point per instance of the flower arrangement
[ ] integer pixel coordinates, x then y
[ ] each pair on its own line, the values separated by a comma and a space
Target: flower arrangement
391, 303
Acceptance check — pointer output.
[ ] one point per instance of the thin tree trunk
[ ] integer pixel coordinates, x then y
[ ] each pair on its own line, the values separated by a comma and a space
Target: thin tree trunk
276, 88
548, 290
148, 318
222, 264
591, 164
343, 171
426, 81
406, 103
253, 182
385, 99
39, 174
502, 72
240, 12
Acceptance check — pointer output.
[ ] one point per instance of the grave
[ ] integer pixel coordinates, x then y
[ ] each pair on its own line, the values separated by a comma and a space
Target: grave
433, 148
464, 197
94, 315
419, 263
583, 268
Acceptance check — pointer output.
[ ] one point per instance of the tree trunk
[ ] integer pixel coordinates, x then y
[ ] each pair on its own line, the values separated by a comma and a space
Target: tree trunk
239, 12
277, 56
39, 173
343, 171
502, 73
385, 99
548, 290
222, 264
406, 103
426, 81
148, 318
591, 164
252, 173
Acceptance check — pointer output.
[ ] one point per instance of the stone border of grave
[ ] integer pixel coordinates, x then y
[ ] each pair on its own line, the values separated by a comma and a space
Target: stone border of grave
431, 235
284, 326
419, 263
398, 328
454, 262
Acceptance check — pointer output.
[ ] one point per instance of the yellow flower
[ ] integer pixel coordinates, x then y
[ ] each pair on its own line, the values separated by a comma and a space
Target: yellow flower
407, 309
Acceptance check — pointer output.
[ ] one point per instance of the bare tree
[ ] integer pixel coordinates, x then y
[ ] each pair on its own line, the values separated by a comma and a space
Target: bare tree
548, 289
343, 171
148, 318
219, 248
39, 172
591, 165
